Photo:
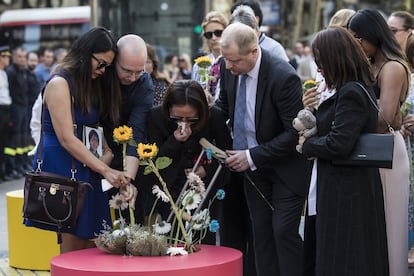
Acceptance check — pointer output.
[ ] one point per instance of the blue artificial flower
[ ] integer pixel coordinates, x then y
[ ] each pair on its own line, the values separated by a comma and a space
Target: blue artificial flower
209, 154
214, 226
220, 194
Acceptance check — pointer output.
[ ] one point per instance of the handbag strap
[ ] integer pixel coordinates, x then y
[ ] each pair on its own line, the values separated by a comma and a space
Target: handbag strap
40, 147
390, 128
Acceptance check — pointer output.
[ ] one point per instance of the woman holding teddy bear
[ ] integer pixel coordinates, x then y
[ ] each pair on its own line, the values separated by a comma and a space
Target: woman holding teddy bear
350, 225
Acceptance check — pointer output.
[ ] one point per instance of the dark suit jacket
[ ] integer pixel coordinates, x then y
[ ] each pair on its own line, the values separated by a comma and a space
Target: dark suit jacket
278, 100
136, 102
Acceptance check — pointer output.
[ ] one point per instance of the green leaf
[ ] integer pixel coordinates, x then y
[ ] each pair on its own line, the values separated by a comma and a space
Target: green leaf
147, 170
143, 162
132, 142
405, 109
162, 162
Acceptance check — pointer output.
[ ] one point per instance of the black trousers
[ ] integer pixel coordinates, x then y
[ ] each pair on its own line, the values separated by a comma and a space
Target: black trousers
278, 247
4, 122
309, 246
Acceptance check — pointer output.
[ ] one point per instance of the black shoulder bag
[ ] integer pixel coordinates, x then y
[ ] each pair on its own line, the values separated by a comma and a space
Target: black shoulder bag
371, 149
50, 199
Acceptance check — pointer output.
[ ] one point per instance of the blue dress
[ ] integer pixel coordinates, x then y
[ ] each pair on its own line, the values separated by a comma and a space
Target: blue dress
57, 160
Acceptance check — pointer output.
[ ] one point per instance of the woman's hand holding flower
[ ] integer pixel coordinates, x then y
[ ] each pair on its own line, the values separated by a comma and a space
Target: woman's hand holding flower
407, 125
116, 178
130, 194
310, 98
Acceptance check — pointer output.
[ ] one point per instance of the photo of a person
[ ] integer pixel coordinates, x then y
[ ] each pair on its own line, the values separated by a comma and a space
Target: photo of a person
94, 141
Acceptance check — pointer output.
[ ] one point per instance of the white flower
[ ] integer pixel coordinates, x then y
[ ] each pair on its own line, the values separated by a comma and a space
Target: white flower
162, 228
118, 233
173, 251
159, 193
118, 202
191, 200
194, 178
196, 182
201, 220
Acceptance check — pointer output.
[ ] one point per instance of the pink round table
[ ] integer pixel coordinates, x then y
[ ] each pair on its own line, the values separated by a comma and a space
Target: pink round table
209, 260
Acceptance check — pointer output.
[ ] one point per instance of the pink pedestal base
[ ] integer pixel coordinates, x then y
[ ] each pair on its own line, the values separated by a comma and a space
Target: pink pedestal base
209, 260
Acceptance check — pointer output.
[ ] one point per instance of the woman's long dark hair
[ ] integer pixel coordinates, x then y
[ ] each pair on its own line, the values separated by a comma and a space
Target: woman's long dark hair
350, 65
103, 92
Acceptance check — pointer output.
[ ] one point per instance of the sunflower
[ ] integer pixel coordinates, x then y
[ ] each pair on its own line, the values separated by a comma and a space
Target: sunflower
308, 85
146, 151
203, 61
122, 134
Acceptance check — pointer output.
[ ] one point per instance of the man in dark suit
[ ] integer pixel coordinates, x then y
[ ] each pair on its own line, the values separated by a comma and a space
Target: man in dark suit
277, 179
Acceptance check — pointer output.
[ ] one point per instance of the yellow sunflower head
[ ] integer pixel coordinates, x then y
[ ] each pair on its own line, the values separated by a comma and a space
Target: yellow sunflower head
308, 84
122, 134
203, 61
147, 151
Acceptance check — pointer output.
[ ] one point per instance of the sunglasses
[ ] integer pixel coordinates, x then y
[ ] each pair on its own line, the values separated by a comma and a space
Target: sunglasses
190, 120
101, 63
209, 35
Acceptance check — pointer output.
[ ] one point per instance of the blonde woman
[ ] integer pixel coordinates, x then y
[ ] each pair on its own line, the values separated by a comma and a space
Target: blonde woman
213, 25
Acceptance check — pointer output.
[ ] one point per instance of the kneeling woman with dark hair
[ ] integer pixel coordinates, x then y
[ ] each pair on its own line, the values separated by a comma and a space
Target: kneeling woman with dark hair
176, 127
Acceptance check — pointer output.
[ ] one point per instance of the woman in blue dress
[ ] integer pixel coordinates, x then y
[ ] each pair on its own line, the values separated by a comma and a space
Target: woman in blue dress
86, 82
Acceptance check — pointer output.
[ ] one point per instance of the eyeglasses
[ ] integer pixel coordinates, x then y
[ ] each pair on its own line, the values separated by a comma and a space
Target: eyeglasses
132, 73
190, 120
394, 31
209, 35
101, 63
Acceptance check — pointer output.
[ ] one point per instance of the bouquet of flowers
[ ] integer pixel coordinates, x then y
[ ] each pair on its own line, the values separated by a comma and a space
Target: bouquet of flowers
188, 227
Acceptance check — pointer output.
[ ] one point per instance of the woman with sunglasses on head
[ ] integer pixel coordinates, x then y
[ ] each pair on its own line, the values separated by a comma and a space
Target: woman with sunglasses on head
177, 127
85, 84
392, 75
213, 25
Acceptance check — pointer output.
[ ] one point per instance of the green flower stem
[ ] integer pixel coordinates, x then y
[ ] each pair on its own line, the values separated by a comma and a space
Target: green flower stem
173, 206
172, 228
152, 211
120, 213
124, 156
131, 211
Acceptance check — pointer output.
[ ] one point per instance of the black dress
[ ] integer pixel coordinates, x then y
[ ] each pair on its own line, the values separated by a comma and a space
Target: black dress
350, 224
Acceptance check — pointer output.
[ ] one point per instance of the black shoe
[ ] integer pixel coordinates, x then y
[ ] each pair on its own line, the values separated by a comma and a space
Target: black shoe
11, 175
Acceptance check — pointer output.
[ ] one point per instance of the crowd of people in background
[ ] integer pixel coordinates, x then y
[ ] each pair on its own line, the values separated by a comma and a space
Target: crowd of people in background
358, 220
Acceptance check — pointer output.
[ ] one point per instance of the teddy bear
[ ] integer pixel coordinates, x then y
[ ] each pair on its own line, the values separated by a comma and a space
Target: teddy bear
305, 124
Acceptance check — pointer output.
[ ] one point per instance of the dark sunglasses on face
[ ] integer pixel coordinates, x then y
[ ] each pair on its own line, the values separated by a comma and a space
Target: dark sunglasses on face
101, 63
209, 35
190, 120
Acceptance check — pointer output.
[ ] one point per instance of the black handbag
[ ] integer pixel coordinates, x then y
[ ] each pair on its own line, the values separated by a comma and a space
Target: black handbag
371, 149
53, 201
